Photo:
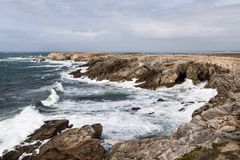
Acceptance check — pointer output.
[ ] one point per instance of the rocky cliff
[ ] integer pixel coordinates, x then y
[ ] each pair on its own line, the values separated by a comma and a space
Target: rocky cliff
213, 132
215, 123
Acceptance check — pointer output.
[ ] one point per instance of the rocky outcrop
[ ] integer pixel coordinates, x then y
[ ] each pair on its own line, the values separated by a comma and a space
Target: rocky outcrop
217, 125
77, 143
39, 59
57, 56
75, 56
51, 142
214, 123
152, 73
213, 132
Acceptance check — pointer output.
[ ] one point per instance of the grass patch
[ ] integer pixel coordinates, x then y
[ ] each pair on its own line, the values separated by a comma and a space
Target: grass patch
238, 116
200, 153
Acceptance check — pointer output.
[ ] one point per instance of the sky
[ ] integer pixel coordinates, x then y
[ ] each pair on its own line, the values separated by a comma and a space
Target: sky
119, 25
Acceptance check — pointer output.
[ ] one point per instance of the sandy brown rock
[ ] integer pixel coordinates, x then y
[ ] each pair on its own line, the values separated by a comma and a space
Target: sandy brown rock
153, 72
201, 131
213, 123
73, 144
57, 56
46, 131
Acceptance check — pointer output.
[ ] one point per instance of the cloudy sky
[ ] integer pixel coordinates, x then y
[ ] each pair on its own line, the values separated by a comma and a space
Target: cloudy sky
119, 25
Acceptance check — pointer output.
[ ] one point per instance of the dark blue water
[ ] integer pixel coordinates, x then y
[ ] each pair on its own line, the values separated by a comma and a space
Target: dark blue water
17, 77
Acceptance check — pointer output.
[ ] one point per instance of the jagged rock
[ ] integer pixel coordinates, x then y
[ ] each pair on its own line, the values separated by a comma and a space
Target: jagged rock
57, 56
228, 129
148, 148
151, 113
76, 143
76, 74
160, 100
152, 73
135, 108
48, 130
213, 122
181, 109
212, 113
39, 59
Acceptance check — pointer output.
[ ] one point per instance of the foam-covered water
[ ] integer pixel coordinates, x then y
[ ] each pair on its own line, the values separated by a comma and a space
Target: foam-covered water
15, 130
45, 91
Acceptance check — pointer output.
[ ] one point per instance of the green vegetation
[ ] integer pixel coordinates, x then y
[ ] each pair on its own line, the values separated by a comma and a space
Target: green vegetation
200, 153
238, 116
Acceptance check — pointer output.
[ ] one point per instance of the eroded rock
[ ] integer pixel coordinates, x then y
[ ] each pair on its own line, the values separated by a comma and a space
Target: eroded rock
77, 143
49, 143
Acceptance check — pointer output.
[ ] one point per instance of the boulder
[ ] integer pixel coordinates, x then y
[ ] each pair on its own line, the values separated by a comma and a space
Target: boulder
49, 143
39, 59
77, 143
76, 74
160, 100
228, 129
135, 109
48, 130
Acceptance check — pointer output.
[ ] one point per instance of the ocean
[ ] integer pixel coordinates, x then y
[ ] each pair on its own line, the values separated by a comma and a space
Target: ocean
31, 93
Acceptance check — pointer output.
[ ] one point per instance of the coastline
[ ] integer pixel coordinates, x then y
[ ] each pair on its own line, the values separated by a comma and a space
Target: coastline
215, 122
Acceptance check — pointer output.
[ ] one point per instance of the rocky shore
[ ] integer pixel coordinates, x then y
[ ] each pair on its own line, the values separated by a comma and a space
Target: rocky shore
56, 140
213, 132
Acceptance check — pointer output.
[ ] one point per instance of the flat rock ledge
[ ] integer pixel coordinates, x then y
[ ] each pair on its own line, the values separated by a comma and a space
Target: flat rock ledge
55, 140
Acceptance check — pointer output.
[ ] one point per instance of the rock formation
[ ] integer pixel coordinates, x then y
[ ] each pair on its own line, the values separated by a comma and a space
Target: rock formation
213, 132
213, 124
51, 142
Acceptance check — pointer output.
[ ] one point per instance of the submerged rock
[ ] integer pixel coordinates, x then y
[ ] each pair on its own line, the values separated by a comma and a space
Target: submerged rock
181, 109
39, 59
160, 100
135, 108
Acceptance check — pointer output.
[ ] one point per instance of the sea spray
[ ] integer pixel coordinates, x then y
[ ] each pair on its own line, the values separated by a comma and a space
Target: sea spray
53, 97
16, 129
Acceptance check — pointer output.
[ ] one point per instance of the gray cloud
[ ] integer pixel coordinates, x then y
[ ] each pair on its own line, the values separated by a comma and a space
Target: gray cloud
110, 25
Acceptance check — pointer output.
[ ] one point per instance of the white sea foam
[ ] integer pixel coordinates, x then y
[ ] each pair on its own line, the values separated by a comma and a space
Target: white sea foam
83, 69
44, 66
53, 97
16, 129
119, 122
19, 59
67, 63
122, 84
58, 87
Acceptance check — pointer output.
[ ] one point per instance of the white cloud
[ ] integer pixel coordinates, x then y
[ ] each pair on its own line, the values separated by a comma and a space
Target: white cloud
162, 30
227, 2
72, 34
135, 24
